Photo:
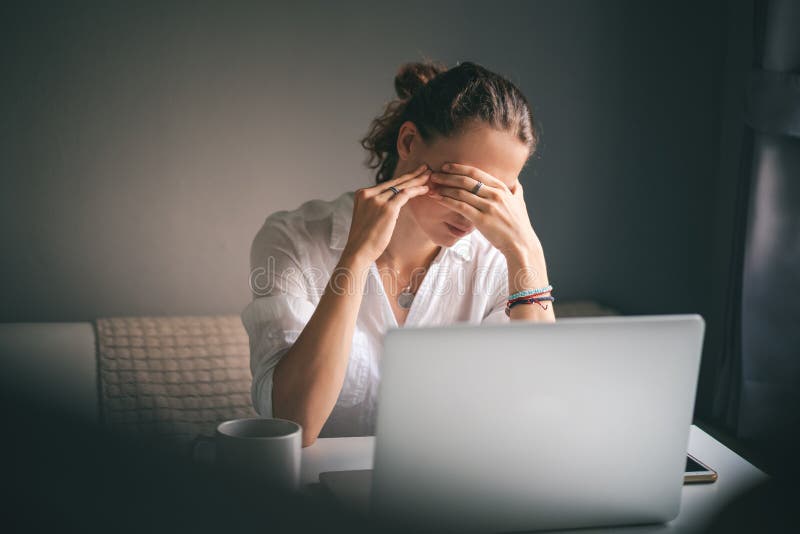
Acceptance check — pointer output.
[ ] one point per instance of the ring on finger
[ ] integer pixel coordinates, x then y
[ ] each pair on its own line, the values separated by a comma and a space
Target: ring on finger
477, 188
394, 190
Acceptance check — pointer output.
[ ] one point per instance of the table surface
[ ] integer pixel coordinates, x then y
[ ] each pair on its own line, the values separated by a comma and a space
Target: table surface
699, 502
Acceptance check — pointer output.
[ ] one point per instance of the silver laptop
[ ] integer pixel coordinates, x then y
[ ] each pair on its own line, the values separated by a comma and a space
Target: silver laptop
527, 426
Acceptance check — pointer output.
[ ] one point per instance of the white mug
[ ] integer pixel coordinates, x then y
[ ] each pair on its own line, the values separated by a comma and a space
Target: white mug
267, 450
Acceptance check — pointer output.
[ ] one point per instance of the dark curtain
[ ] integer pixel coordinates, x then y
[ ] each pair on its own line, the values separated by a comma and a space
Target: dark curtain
758, 388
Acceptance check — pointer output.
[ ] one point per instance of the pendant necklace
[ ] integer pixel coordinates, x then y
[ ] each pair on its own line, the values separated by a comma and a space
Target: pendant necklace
406, 295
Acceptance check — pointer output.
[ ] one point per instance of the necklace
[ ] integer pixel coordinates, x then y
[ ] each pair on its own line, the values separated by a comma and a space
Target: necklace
406, 295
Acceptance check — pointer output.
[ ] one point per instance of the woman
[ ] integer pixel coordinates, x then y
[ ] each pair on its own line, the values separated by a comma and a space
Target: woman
443, 237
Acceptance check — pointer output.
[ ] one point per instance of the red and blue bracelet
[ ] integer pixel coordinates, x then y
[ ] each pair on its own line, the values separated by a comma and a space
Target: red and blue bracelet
530, 297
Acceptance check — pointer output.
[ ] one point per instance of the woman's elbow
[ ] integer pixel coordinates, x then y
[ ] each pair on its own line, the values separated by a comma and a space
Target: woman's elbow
308, 428
309, 435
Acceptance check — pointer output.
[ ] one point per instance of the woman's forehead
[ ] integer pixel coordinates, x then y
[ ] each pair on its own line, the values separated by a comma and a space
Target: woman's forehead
496, 152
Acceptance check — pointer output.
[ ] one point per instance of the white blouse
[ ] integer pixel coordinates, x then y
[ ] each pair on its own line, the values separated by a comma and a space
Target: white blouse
291, 260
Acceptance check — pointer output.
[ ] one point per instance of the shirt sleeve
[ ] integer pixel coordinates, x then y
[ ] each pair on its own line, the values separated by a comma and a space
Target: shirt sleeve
281, 307
497, 314
498, 283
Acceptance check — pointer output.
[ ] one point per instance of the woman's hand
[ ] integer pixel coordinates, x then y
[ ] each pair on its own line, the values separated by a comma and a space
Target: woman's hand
498, 212
375, 212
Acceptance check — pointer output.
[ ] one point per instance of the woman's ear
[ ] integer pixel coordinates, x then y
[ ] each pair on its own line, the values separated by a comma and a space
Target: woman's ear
405, 139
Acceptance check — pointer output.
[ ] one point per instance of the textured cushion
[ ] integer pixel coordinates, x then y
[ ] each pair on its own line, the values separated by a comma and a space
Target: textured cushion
173, 378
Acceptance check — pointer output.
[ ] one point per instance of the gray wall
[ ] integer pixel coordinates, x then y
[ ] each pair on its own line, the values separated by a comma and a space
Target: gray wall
142, 147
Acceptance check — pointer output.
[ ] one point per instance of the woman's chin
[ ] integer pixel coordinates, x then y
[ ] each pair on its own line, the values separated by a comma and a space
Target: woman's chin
442, 239
446, 239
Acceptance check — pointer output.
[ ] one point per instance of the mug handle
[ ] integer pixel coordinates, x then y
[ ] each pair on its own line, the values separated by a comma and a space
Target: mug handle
204, 449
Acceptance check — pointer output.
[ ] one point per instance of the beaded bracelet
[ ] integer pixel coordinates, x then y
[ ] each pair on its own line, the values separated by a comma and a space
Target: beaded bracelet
529, 292
531, 300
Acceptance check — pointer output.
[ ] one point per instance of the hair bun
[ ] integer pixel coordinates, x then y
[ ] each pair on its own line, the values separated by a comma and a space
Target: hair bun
413, 76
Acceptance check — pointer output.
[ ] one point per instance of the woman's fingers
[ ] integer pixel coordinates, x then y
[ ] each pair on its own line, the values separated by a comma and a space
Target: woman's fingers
409, 175
479, 203
408, 193
475, 175
414, 181
470, 212
444, 182
416, 173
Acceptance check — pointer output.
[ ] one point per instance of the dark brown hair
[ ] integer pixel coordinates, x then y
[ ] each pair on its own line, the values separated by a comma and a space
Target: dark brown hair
440, 101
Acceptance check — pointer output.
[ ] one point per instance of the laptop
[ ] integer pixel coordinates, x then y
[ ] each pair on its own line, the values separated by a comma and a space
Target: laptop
526, 426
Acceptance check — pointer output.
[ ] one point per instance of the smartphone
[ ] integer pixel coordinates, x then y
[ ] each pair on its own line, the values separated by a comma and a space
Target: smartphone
697, 471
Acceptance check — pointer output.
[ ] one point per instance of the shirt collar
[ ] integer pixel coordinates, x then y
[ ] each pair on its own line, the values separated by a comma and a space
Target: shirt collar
343, 214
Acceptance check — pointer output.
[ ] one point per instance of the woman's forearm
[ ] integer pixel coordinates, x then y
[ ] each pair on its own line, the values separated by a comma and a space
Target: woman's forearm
309, 377
527, 270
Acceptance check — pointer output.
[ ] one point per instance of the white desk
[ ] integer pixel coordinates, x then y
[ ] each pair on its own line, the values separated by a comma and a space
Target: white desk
698, 503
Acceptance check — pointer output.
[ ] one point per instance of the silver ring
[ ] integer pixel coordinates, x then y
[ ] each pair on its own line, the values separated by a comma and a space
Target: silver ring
476, 188
394, 190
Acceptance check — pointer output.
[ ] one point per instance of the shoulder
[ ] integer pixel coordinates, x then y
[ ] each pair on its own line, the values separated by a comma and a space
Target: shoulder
309, 227
311, 212
312, 221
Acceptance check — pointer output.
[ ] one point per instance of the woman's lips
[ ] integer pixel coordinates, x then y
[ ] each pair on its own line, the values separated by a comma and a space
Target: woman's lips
456, 231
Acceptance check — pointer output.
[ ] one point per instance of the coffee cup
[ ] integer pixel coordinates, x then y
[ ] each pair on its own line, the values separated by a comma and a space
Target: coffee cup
262, 449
